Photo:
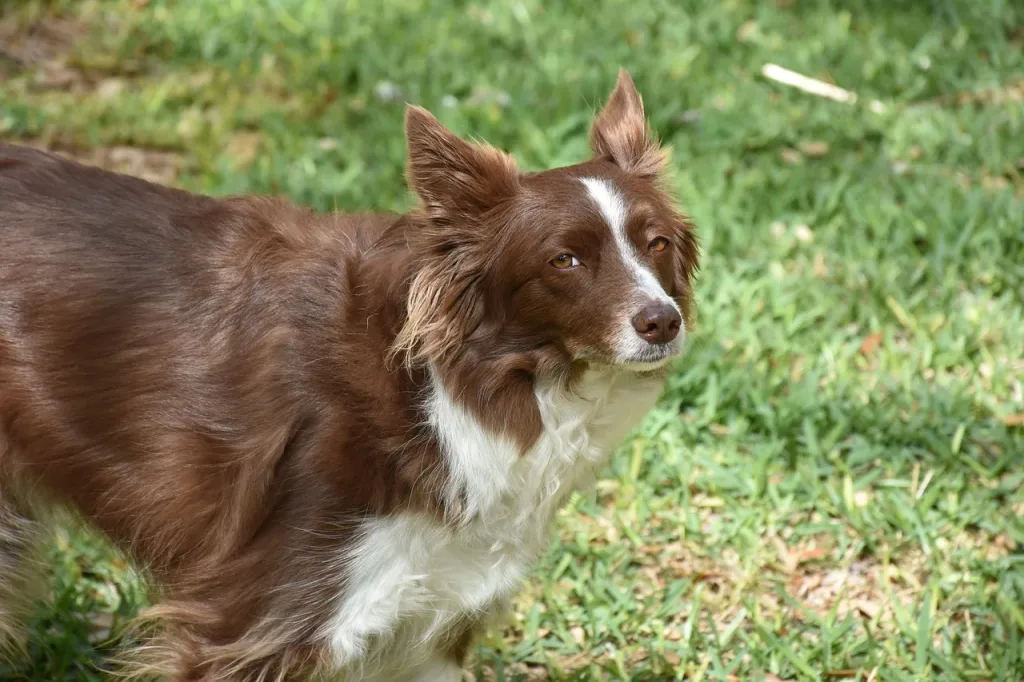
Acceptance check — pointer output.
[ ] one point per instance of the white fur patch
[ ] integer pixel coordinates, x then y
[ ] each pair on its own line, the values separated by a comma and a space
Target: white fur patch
410, 579
628, 344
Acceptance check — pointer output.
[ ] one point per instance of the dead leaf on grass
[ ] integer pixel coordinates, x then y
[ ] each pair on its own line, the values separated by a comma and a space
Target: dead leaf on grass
746, 31
55, 75
862, 498
110, 88
39, 42
244, 148
792, 558
1014, 419
149, 164
819, 267
814, 148
870, 344
791, 156
867, 607
526, 671
812, 553
1009, 92
803, 233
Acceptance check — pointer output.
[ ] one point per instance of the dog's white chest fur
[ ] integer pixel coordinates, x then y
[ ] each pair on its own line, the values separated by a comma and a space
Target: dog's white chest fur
410, 579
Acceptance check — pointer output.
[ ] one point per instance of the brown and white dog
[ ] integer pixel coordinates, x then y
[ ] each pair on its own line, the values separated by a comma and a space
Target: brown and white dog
336, 443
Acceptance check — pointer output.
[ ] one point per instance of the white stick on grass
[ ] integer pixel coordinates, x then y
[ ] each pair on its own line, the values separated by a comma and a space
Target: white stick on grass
811, 85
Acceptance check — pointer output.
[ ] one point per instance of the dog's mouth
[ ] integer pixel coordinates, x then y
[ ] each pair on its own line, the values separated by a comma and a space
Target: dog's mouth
648, 359
651, 358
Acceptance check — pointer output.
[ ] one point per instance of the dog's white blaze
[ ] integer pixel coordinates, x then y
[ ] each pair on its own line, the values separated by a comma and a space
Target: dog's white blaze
411, 578
613, 208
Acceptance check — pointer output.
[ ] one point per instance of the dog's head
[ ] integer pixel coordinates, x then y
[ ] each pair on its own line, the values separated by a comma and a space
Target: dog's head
593, 260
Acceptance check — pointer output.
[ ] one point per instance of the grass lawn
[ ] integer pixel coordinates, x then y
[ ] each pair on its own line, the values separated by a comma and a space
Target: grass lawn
832, 486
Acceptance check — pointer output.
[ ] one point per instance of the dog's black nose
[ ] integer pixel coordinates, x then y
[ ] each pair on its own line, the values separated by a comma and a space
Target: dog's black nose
657, 322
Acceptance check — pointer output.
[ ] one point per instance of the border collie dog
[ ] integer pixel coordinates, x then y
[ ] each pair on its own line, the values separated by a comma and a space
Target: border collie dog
334, 443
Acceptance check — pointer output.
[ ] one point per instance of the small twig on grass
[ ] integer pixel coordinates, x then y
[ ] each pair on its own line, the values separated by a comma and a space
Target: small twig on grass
811, 85
924, 485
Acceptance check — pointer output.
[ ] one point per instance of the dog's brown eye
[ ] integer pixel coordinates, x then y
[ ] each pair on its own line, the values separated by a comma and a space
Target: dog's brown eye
658, 244
565, 261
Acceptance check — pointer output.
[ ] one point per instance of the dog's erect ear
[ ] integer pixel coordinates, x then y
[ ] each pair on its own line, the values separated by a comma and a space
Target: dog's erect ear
450, 175
457, 182
621, 134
